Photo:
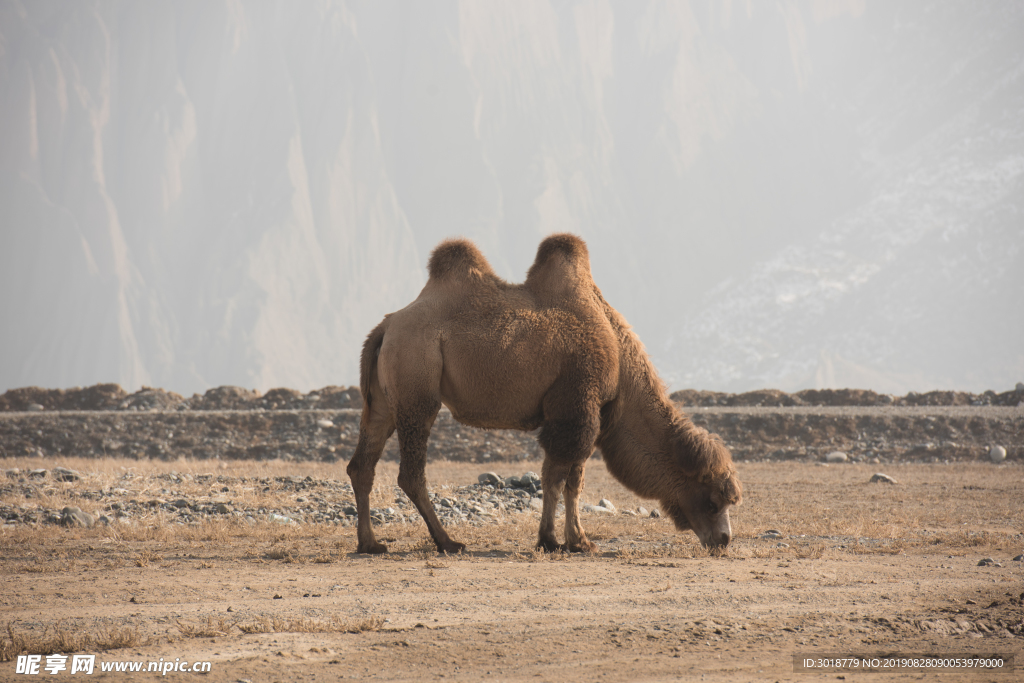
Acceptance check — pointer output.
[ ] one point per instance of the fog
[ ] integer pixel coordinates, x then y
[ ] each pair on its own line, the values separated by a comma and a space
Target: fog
775, 194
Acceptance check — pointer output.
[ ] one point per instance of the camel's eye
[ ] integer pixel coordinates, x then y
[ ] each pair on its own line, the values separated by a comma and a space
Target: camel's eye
712, 508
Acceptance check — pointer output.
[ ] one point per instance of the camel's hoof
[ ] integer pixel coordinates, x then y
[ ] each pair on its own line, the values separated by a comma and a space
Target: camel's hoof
551, 546
451, 548
372, 548
585, 547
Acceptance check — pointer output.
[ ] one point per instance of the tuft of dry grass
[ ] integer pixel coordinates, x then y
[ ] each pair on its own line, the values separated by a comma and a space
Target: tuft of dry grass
60, 639
211, 628
814, 551
145, 557
335, 624
287, 555
325, 557
216, 627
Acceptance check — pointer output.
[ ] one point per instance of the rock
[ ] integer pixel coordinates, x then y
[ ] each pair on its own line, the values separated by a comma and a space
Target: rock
536, 504
879, 477
597, 509
781, 545
64, 474
73, 516
836, 456
180, 503
491, 479
607, 504
770, 535
642, 511
280, 519
324, 424
35, 408
37, 474
985, 562
223, 509
655, 513
1019, 558
997, 454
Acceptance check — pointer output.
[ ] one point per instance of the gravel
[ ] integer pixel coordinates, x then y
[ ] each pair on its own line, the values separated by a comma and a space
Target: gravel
313, 501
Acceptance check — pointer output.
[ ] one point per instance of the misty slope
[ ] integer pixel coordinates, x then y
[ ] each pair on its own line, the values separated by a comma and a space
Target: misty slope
185, 203
921, 284
197, 194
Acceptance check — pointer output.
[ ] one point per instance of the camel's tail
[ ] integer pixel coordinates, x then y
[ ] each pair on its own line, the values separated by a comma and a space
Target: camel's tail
368, 360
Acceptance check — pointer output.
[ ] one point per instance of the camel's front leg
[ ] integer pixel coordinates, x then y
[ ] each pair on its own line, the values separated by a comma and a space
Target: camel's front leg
575, 538
552, 481
567, 443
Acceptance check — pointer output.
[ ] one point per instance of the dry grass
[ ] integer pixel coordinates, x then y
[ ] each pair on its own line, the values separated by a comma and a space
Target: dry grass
60, 639
218, 627
211, 628
335, 624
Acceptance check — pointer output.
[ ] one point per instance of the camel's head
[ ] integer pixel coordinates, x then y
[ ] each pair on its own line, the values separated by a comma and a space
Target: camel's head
703, 506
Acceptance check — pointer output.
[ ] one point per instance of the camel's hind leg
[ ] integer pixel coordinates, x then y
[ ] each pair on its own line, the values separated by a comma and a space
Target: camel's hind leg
567, 445
413, 432
375, 427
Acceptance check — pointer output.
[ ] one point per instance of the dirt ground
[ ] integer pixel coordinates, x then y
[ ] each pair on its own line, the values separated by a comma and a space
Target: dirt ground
857, 567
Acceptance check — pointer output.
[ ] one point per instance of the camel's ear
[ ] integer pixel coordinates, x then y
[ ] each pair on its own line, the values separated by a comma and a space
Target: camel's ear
732, 490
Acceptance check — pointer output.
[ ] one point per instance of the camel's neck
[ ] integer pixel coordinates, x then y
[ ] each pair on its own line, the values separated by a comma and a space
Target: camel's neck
641, 425
637, 448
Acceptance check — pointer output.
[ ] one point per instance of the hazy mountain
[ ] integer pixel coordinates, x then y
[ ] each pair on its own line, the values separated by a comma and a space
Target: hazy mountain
920, 284
791, 194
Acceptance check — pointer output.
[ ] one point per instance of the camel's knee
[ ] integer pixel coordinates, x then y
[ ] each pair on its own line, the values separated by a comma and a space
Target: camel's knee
574, 479
412, 482
361, 473
358, 468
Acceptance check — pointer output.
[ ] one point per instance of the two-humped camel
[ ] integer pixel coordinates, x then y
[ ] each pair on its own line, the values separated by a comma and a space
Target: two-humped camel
548, 353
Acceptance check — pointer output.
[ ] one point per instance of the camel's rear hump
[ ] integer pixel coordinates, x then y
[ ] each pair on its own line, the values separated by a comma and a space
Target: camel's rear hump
562, 267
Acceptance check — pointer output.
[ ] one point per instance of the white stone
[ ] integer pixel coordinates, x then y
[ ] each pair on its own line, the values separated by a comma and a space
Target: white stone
836, 456
997, 454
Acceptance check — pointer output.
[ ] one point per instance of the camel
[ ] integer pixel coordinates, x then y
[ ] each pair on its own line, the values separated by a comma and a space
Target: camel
548, 354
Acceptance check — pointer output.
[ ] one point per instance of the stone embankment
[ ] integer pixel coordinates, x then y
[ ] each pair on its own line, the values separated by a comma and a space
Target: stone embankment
233, 423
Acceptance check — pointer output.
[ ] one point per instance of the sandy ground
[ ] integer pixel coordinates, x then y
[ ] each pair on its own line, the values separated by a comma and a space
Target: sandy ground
864, 568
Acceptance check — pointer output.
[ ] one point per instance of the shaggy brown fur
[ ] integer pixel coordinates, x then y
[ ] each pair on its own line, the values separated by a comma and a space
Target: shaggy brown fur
549, 353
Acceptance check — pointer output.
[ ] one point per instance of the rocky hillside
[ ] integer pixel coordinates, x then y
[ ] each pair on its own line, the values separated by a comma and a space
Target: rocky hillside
801, 194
